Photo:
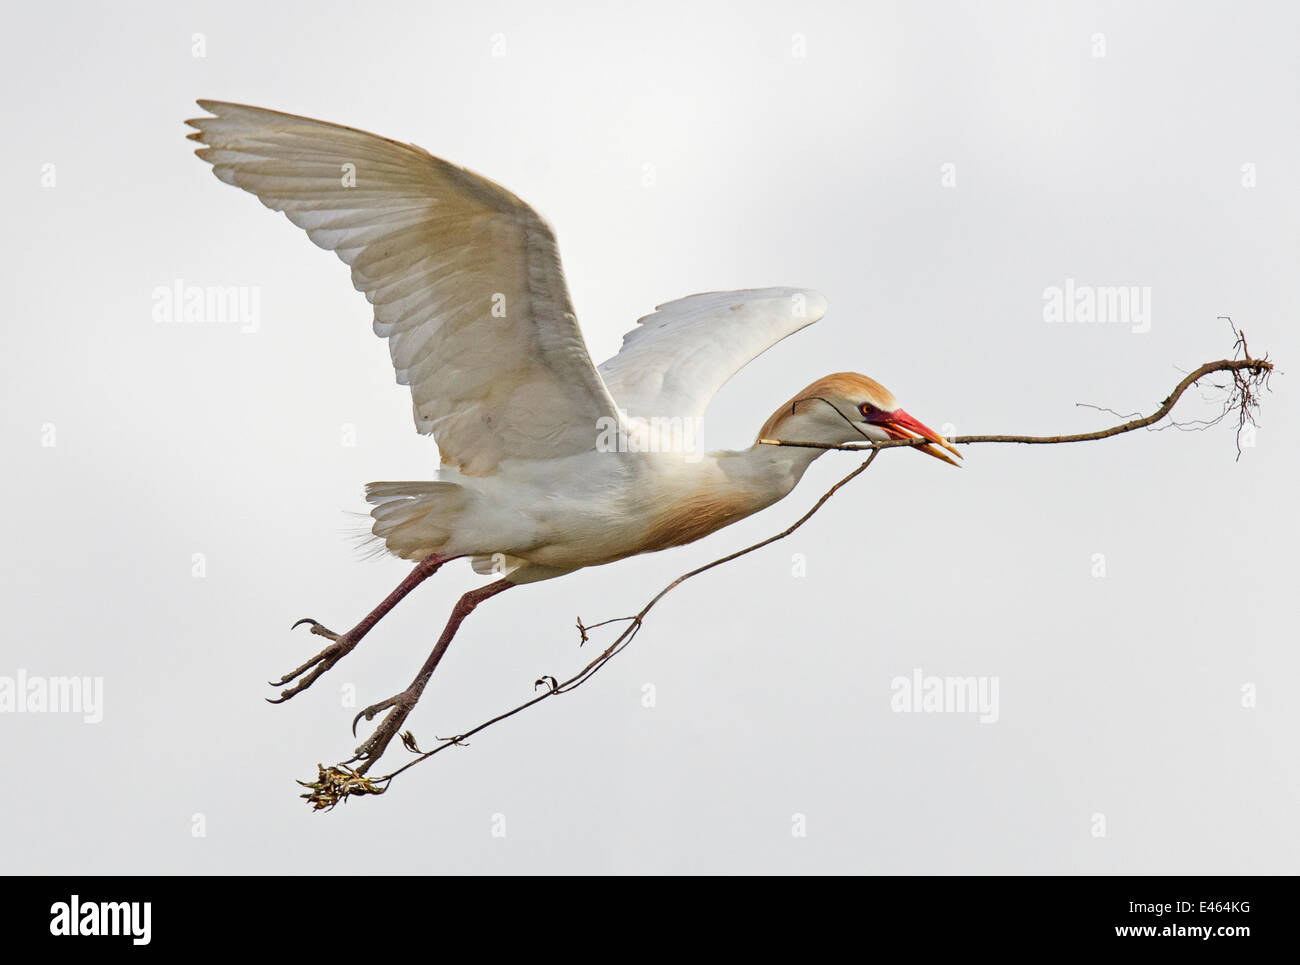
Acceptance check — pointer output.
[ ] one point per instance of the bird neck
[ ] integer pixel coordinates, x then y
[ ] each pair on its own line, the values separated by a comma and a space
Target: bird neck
768, 470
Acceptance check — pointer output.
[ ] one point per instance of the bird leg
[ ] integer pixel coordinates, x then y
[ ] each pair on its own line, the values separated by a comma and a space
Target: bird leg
399, 706
342, 644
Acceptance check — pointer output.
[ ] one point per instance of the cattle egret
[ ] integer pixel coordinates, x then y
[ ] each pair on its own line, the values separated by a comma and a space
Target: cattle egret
549, 463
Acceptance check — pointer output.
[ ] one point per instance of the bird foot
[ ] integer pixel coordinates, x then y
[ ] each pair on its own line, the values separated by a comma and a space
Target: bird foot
340, 647
399, 707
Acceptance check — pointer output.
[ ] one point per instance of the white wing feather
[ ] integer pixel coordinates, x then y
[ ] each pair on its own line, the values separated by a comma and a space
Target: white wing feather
676, 359
434, 248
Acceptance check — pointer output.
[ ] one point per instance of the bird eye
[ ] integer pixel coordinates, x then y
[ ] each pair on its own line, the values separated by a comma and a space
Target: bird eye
866, 409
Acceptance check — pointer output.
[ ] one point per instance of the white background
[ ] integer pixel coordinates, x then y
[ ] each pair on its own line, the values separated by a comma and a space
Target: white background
1119, 696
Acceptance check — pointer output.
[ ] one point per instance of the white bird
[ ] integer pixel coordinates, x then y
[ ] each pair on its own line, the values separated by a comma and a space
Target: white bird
544, 462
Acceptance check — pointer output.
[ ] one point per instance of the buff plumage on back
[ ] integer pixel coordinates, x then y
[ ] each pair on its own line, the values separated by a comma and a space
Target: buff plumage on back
434, 248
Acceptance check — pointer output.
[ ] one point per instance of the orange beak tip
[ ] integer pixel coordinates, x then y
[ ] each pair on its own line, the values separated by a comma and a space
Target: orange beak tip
903, 425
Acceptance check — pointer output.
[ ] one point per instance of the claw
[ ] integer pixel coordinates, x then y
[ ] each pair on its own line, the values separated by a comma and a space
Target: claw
317, 628
399, 707
339, 647
370, 712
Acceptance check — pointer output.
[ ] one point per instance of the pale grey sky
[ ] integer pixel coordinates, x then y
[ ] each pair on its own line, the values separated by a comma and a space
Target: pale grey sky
932, 169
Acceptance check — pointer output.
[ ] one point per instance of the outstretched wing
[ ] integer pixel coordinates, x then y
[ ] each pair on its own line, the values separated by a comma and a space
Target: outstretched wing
675, 360
464, 277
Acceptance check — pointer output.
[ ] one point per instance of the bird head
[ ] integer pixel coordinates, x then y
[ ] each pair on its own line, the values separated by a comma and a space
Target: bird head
846, 407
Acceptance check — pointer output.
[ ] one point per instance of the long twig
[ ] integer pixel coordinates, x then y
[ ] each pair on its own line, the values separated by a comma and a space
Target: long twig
339, 782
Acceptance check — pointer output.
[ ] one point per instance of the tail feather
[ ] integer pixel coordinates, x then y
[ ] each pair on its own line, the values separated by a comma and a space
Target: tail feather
414, 519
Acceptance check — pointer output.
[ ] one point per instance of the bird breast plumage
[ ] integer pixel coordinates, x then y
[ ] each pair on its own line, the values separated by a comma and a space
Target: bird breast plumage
611, 506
